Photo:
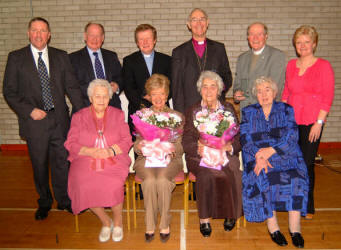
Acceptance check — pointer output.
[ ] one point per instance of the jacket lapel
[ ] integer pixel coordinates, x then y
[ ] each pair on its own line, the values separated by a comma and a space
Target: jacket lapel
30, 66
262, 58
142, 64
54, 70
87, 64
107, 65
210, 55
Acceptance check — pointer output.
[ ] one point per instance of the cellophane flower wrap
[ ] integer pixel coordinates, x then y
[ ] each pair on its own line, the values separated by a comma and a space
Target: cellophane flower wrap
158, 130
216, 128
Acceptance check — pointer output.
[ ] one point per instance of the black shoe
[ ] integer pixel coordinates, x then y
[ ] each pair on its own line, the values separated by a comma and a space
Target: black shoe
149, 237
297, 239
205, 229
65, 208
164, 237
42, 213
229, 224
278, 238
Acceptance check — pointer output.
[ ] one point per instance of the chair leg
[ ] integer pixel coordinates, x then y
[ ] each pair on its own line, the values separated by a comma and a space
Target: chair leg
128, 201
192, 191
138, 193
76, 223
238, 222
134, 201
186, 201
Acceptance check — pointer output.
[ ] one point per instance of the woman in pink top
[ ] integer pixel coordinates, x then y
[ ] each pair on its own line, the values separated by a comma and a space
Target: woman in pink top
309, 88
98, 143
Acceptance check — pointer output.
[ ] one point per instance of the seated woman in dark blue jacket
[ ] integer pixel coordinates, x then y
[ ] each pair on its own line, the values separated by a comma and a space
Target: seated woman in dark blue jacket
275, 175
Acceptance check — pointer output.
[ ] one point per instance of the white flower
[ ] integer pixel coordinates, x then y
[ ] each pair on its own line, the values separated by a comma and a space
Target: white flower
175, 117
161, 117
211, 127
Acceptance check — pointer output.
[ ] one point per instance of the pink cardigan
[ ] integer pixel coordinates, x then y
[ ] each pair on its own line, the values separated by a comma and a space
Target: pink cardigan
311, 92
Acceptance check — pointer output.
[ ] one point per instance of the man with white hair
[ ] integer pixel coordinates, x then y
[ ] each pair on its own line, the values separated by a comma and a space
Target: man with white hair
260, 60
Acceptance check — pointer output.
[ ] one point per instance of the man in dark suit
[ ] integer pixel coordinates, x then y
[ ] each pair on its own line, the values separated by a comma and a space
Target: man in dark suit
94, 62
36, 79
140, 65
194, 56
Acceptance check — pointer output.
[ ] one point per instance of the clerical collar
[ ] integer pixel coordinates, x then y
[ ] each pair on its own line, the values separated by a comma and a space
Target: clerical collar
258, 52
150, 55
197, 43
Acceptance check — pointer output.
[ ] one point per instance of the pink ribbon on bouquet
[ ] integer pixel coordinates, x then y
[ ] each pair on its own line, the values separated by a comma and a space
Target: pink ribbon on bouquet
213, 158
157, 152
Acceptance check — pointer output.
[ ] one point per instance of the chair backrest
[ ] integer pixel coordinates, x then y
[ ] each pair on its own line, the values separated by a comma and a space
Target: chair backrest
235, 105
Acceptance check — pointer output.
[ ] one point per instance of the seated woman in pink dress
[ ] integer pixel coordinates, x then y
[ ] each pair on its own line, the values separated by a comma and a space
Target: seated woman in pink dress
98, 143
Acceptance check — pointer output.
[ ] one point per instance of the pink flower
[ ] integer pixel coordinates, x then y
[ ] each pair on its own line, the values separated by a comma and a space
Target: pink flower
202, 127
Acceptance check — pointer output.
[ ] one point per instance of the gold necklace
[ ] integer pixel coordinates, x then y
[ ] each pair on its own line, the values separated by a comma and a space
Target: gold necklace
198, 59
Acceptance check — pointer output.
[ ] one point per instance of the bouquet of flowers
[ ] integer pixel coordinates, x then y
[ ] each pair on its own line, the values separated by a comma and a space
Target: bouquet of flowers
216, 129
158, 129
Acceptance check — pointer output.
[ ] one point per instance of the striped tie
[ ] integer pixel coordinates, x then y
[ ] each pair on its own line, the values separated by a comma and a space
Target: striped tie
98, 67
45, 84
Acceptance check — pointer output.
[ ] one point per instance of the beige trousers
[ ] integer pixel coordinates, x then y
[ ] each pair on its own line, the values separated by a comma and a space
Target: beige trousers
157, 187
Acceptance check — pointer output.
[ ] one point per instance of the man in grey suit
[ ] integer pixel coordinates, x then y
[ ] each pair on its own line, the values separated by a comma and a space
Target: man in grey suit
36, 79
260, 60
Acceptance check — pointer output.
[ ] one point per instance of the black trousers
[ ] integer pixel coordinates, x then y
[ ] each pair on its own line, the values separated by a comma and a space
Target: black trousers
44, 148
309, 150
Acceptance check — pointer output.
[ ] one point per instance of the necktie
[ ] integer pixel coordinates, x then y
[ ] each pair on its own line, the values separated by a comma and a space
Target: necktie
45, 84
98, 67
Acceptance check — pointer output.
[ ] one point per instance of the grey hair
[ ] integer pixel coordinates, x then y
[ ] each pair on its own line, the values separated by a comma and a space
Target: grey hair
212, 76
261, 80
99, 83
195, 9
260, 23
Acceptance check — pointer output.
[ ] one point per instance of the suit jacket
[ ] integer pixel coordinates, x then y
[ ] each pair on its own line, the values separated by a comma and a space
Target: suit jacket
271, 63
186, 72
82, 65
135, 74
22, 89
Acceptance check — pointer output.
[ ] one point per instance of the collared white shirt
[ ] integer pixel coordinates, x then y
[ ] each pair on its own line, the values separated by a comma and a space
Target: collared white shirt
44, 56
258, 52
100, 57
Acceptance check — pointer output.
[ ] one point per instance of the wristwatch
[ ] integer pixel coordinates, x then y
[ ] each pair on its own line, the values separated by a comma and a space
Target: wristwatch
320, 122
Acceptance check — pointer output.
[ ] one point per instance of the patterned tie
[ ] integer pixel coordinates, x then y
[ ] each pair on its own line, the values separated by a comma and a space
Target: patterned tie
45, 83
98, 67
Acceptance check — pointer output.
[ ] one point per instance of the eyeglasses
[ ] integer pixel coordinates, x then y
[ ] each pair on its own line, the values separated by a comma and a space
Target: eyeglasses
196, 20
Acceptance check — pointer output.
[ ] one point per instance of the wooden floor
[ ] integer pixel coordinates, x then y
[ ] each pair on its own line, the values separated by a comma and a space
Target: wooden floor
18, 229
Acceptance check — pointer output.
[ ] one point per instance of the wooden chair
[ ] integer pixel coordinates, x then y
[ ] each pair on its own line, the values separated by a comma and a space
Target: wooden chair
181, 178
191, 180
127, 192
